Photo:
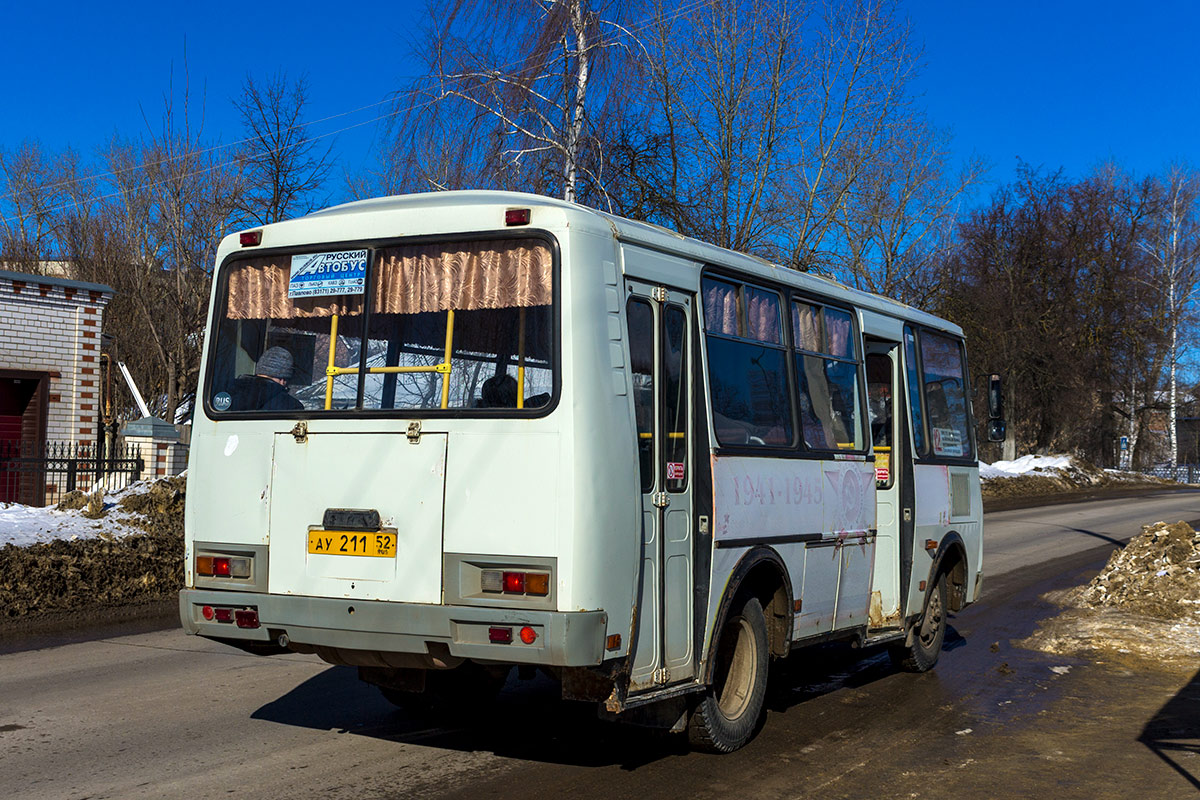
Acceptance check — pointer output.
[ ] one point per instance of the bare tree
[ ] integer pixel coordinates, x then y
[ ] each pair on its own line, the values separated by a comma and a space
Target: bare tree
1173, 245
283, 169
33, 193
897, 219
510, 99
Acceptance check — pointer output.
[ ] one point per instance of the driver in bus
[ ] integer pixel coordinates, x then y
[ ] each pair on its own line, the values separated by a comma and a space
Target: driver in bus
266, 389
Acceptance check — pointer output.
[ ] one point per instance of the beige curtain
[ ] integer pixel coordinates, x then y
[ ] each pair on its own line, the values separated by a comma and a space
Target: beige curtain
408, 280
465, 277
258, 289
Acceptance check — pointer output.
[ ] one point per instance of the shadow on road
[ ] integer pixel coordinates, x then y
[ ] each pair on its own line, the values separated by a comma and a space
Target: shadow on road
1174, 732
530, 721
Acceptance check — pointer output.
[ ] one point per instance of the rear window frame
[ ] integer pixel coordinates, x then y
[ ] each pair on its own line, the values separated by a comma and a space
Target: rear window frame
373, 246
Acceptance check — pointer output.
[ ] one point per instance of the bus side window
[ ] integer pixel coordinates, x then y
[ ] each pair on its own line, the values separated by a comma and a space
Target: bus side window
879, 409
641, 356
675, 397
747, 367
827, 360
914, 391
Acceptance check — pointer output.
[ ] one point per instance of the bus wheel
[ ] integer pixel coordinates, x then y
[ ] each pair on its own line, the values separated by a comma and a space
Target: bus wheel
728, 715
927, 639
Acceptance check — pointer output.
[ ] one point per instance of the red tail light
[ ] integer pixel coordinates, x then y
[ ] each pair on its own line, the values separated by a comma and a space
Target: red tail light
514, 582
220, 567
528, 635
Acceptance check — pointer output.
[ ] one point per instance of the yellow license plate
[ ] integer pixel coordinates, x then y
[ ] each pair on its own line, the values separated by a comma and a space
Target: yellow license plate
380, 544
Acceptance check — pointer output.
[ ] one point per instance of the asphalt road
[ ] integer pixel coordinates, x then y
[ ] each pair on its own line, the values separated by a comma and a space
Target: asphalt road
162, 714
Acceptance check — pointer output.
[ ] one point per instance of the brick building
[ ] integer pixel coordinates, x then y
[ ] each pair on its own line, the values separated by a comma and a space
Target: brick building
49, 359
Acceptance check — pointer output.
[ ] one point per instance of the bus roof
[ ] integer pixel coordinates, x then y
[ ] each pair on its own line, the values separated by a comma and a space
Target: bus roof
648, 235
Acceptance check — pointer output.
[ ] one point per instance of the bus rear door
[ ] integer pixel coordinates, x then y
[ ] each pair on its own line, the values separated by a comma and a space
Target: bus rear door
660, 320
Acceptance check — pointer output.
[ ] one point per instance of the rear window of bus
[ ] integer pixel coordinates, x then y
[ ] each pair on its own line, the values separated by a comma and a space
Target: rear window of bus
461, 325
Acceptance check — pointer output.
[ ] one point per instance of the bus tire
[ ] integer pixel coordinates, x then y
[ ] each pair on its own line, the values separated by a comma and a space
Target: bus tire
728, 714
927, 638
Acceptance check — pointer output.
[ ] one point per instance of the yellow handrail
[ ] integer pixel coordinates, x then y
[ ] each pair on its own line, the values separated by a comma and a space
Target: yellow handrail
446, 361
444, 368
521, 360
330, 370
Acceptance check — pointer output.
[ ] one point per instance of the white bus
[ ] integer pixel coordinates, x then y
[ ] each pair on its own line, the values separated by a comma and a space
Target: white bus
442, 435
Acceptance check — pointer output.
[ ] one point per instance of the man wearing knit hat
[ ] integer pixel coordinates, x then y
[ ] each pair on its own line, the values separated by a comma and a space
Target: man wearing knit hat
266, 389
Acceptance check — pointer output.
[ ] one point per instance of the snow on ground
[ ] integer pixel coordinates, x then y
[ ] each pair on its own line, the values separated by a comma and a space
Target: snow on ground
22, 525
1022, 465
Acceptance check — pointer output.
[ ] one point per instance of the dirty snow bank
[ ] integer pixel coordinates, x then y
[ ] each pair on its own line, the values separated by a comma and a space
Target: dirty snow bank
1145, 601
1043, 475
127, 549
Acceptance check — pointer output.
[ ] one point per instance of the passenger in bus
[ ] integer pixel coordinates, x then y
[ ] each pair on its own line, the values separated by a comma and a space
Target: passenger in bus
499, 391
266, 389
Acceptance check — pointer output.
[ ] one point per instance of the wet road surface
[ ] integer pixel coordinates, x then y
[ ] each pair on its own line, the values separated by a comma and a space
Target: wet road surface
165, 715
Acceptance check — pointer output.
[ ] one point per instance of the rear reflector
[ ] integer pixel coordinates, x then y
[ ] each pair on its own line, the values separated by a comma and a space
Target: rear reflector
223, 614
246, 618
613, 642
500, 635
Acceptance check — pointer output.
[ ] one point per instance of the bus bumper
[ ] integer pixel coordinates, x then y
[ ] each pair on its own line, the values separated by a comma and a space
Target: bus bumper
564, 638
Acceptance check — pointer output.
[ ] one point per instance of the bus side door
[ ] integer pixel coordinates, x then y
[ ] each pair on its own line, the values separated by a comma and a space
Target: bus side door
660, 322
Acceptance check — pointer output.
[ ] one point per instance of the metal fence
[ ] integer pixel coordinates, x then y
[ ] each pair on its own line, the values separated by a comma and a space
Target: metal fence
40, 476
1184, 473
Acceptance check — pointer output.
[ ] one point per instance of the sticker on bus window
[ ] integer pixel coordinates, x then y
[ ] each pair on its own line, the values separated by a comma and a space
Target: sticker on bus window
883, 463
316, 274
675, 470
947, 442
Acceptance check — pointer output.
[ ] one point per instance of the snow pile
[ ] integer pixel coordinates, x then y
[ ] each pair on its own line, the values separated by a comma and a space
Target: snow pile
1157, 574
89, 554
25, 525
1023, 465
1031, 476
1144, 603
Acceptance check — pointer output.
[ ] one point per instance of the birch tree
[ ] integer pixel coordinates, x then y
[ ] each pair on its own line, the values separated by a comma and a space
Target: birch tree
510, 100
1173, 245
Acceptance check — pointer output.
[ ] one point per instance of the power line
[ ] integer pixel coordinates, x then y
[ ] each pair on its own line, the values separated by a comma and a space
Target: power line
601, 41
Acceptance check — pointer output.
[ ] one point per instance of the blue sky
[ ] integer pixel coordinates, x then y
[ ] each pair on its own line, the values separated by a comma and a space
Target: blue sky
1058, 84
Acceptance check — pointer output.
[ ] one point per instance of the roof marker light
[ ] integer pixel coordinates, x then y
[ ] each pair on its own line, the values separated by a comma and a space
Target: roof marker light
513, 216
251, 238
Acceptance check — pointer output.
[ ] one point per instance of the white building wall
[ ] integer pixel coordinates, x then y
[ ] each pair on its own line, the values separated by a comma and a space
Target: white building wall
55, 329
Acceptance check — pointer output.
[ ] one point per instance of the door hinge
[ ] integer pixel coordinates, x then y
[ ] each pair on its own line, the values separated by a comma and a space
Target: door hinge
661, 499
300, 432
662, 675
414, 432
659, 294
